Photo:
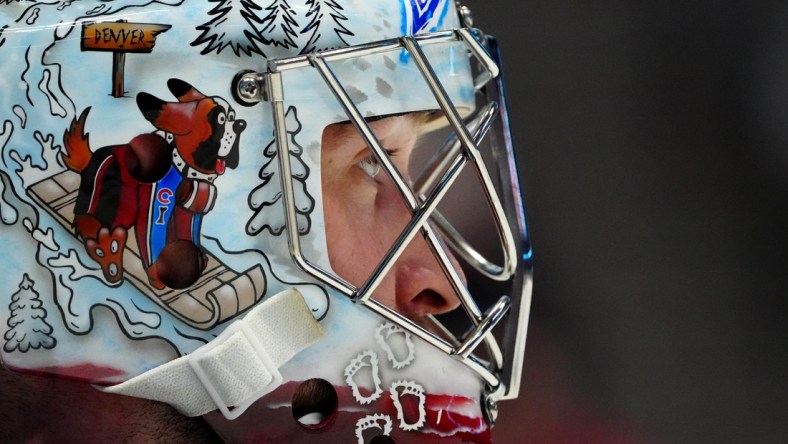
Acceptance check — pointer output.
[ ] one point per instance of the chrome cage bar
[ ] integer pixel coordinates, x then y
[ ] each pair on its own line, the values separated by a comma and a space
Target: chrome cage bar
460, 152
516, 332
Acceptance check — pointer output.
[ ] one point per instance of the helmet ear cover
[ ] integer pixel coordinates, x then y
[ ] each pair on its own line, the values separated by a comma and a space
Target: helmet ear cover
179, 256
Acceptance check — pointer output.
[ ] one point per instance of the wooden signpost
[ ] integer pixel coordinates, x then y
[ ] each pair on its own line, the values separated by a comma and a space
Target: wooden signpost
120, 37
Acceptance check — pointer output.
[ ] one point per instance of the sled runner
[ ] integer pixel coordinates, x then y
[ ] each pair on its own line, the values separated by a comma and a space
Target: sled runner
219, 294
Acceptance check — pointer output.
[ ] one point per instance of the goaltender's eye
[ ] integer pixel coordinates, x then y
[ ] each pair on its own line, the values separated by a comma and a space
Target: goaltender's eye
369, 165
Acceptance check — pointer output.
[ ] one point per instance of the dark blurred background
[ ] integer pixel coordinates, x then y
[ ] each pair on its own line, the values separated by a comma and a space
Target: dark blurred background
653, 140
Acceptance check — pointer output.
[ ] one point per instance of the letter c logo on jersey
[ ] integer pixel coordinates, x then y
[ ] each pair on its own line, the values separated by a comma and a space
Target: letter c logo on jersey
164, 196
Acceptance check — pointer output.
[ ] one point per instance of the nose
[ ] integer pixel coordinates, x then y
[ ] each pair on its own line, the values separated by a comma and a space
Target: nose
239, 126
421, 286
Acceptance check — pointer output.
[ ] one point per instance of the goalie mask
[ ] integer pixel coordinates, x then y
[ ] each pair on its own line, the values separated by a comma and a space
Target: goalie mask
300, 218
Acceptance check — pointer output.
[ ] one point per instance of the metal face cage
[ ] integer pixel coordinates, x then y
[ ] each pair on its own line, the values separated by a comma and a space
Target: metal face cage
501, 368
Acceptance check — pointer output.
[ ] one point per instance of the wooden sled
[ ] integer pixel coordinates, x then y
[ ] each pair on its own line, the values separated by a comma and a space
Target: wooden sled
220, 293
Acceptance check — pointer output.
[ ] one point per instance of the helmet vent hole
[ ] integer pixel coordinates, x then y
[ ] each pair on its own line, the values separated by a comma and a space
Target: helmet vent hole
314, 404
382, 439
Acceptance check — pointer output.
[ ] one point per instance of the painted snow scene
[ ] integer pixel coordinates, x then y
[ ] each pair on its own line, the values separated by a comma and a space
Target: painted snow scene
65, 97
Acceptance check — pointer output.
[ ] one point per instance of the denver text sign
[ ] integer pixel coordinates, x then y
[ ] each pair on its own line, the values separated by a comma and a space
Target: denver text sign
120, 38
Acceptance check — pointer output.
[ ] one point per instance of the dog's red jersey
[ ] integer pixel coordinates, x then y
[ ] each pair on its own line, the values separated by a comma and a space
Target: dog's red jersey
107, 191
112, 196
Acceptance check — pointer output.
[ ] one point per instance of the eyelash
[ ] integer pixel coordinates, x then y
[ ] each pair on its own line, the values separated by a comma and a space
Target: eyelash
370, 165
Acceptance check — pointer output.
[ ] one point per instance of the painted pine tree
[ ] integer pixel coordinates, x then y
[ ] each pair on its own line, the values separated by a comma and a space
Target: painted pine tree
320, 37
279, 26
266, 198
28, 328
222, 31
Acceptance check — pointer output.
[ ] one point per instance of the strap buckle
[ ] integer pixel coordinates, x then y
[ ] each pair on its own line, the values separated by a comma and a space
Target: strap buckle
235, 369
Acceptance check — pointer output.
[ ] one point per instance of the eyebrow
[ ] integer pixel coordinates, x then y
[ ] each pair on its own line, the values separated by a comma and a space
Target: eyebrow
347, 131
371, 119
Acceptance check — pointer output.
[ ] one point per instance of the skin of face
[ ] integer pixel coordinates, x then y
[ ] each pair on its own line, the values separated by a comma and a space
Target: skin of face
365, 213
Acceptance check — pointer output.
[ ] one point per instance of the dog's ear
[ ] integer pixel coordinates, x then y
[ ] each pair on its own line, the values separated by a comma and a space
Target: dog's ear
171, 117
150, 106
183, 91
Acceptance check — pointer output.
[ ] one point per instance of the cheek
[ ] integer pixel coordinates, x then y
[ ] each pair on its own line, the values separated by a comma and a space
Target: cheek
363, 218
361, 226
355, 248
350, 218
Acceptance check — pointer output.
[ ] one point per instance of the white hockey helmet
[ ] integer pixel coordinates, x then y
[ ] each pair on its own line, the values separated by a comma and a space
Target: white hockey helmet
302, 213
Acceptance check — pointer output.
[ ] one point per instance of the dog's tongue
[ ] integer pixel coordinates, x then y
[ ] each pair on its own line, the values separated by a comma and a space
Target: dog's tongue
220, 166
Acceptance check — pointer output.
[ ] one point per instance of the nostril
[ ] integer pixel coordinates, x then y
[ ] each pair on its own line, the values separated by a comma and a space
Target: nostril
430, 302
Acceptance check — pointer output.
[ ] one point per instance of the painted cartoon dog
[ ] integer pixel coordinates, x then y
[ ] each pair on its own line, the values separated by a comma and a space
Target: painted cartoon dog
160, 185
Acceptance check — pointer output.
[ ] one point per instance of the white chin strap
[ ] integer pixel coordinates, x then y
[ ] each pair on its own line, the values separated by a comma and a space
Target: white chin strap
238, 367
